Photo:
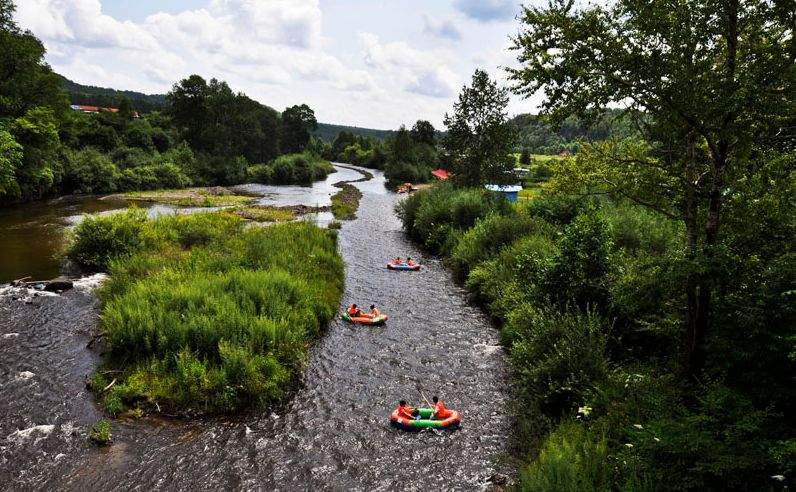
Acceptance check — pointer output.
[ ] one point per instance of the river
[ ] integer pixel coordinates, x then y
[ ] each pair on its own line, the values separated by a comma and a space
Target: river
332, 434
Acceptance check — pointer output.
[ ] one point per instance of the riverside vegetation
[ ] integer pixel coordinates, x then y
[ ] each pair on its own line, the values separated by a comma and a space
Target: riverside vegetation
206, 134
203, 315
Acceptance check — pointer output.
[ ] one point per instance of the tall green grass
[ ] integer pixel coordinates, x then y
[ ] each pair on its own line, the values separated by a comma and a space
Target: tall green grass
209, 316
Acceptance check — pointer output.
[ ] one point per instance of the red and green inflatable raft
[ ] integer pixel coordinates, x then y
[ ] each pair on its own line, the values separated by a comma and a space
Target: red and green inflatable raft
425, 421
365, 320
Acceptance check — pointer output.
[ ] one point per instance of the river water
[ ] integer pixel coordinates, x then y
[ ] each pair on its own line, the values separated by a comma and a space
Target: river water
333, 434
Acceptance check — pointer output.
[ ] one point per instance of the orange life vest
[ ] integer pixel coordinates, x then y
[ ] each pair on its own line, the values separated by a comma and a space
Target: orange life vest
440, 411
405, 412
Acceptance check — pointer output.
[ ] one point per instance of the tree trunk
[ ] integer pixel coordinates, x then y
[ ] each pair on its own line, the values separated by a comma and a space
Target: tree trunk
691, 285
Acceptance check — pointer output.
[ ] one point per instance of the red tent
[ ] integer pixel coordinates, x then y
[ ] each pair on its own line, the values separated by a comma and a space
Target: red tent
441, 174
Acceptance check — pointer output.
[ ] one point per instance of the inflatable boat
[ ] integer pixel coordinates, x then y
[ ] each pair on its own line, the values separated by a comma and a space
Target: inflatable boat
365, 320
425, 421
403, 266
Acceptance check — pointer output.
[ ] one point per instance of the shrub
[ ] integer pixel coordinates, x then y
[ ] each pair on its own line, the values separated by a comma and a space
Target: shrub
514, 276
99, 239
558, 357
444, 210
582, 268
169, 175
260, 173
637, 230
489, 235
557, 209
571, 459
100, 432
89, 171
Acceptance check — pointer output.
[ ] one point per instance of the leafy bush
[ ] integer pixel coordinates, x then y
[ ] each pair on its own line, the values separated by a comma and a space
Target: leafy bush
571, 459
558, 357
444, 210
89, 171
582, 268
260, 173
489, 235
98, 239
514, 276
557, 209
100, 432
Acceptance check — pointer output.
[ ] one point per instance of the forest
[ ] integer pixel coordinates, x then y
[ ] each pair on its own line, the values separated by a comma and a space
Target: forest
205, 134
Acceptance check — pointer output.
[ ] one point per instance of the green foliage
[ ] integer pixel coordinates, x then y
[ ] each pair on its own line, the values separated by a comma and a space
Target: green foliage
410, 156
100, 432
89, 171
295, 169
297, 123
209, 316
36, 131
478, 134
489, 236
571, 459
10, 161
437, 217
559, 358
583, 265
99, 239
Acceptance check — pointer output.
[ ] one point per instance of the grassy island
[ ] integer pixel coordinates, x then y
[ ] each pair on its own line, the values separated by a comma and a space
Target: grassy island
202, 314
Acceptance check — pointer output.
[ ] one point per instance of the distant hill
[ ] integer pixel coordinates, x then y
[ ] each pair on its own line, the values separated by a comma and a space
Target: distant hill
102, 96
537, 136
328, 131
105, 97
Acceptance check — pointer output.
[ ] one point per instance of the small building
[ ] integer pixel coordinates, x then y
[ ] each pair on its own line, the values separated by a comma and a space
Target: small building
96, 109
441, 174
509, 191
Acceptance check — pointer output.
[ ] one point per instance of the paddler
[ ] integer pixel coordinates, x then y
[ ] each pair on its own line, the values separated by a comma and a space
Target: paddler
440, 412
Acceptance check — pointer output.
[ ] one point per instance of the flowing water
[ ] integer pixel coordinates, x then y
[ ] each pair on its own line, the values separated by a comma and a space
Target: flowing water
332, 434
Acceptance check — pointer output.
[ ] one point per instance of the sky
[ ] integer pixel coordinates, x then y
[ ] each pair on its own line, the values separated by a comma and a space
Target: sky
368, 63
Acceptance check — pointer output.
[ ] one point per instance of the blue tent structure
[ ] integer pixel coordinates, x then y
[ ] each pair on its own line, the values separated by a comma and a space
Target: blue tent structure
510, 191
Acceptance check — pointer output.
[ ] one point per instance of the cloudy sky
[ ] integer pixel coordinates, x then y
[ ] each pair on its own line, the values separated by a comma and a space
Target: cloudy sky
373, 63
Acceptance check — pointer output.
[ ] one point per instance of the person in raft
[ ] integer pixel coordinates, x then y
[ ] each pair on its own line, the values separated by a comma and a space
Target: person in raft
410, 262
374, 311
396, 260
407, 412
354, 311
440, 412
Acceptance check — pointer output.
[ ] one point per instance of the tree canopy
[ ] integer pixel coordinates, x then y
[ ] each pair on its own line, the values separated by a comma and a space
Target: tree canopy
479, 138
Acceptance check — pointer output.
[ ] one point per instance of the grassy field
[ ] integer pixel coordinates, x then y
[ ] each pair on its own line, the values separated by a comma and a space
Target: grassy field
264, 214
204, 315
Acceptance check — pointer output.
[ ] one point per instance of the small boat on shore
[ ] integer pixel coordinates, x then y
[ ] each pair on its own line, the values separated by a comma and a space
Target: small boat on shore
425, 421
365, 320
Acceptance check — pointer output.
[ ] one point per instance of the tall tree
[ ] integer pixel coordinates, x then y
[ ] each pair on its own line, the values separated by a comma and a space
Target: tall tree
711, 77
297, 123
26, 81
423, 132
188, 108
479, 138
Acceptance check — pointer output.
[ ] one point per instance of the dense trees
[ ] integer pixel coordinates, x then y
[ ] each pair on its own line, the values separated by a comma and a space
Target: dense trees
45, 148
479, 139
297, 123
708, 327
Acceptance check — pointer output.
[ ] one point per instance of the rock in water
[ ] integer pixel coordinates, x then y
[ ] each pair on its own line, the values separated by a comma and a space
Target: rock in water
58, 284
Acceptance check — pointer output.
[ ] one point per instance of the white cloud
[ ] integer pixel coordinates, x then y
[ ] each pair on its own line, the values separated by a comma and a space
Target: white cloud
421, 72
275, 51
445, 29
